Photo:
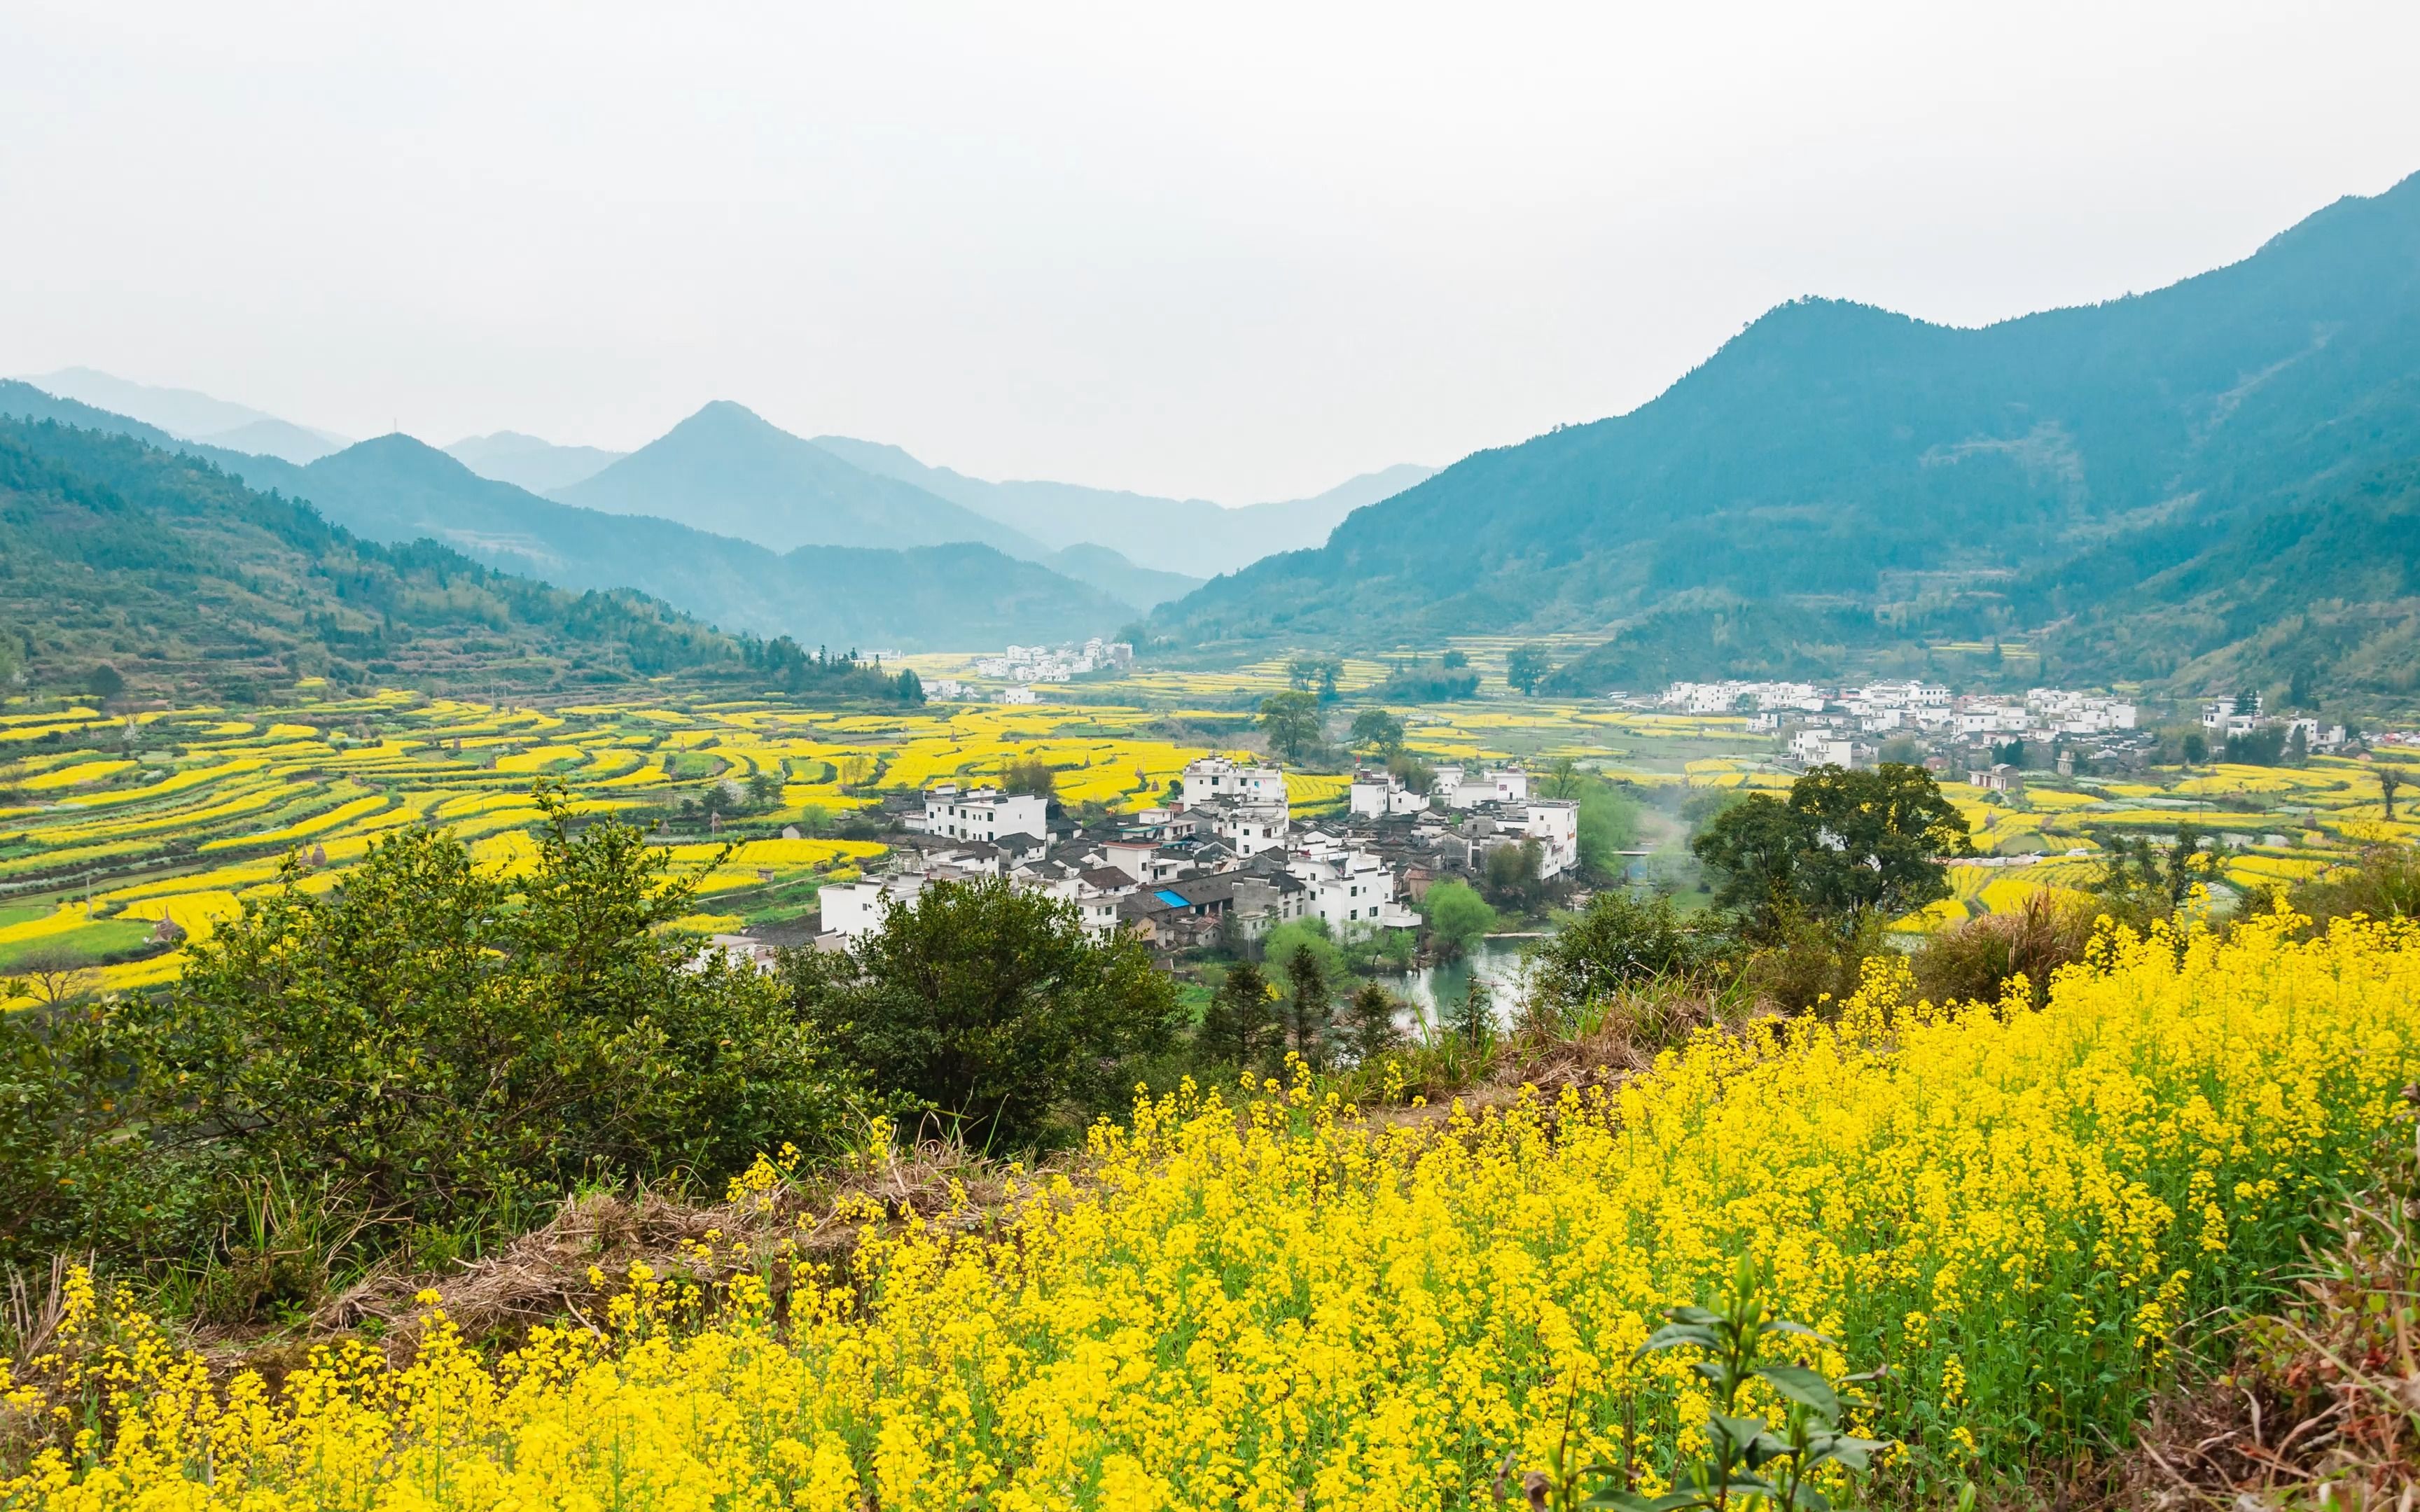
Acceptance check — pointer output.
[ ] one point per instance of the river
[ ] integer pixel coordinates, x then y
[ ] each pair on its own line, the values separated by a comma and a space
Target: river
1498, 964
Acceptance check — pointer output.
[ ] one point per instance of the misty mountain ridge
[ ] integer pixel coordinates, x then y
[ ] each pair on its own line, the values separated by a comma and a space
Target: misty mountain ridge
395, 489
184, 582
1840, 486
1188, 535
192, 416
727, 470
528, 461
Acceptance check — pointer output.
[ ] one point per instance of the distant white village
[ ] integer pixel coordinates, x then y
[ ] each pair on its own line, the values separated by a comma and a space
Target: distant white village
1848, 726
1022, 666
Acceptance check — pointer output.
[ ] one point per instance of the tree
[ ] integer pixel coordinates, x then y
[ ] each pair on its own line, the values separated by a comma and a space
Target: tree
1415, 774
911, 688
1369, 1023
1845, 844
105, 681
1472, 1017
1621, 941
764, 789
1237, 1026
990, 1006
1376, 730
1513, 874
1453, 660
2195, 750
1563, 780
1608, 823
1032, 777
445, 1046
1457, 917
1309, 1009
1527, 667
50, 975
2389, 779
1290, 720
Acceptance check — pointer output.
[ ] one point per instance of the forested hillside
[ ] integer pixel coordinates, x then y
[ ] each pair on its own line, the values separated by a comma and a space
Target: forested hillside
1841, 484
395, 489
125, 566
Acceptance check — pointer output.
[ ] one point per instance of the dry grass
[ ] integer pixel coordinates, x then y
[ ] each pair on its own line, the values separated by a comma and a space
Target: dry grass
2320, 1404
545, 1277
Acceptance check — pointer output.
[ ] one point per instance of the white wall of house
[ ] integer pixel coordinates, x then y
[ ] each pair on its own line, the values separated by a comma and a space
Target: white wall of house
1216, 776
852, 909
985, 815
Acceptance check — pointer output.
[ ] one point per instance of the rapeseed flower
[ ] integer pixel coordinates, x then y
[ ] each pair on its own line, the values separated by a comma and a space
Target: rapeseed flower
1254, 1303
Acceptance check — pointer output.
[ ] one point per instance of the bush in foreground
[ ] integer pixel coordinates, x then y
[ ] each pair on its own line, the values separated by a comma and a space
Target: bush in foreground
2020, 1213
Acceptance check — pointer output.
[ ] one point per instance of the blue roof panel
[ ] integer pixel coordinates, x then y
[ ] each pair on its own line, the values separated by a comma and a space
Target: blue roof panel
1171, 899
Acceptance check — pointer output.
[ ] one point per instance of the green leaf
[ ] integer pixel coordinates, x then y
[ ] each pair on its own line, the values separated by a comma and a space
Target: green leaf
1783, 1325
1804, 1386
1633, 1502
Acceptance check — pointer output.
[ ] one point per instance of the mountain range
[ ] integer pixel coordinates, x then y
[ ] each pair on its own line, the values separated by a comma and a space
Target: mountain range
190, 416
127, 566
1843, 486
727, 472
1170, 535
395, 489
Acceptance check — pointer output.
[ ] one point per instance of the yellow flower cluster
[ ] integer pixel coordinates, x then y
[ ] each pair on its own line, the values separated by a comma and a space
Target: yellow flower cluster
1253, 1304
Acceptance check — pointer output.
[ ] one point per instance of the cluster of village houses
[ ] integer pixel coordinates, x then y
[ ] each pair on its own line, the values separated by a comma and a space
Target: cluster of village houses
1843, 726
1022, 666
1223, 857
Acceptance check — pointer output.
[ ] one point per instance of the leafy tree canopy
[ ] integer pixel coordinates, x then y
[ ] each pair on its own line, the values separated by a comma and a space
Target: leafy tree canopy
990, 1006
1843, 844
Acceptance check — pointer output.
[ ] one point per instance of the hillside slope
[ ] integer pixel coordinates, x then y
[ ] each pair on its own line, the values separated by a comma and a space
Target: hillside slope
1193, 536
1838, 478
727, 470
395, 489
178, 578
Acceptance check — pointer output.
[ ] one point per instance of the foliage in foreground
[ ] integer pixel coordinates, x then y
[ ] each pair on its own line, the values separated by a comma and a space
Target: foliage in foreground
2017, 1211
426, 1048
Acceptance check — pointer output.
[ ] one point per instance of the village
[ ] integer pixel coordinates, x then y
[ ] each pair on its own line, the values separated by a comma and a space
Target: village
1970, 737
1221, 860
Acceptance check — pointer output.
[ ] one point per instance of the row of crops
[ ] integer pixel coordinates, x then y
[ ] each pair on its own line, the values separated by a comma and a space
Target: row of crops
118, 834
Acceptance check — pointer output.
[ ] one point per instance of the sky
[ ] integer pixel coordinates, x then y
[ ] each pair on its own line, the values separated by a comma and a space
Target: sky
1234, 251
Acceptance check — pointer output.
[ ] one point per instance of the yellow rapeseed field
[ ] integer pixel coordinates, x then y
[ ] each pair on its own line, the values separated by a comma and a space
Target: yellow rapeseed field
1272, 1304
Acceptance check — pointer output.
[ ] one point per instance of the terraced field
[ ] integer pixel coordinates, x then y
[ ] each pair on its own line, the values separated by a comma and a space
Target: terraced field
119, 833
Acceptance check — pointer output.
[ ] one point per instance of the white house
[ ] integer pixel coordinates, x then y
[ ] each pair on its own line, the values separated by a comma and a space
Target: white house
1216, 776
1250, 829
851, 909
1819, 747
1465, 789
984, 814
1351, 891
1375, 794
1555, 823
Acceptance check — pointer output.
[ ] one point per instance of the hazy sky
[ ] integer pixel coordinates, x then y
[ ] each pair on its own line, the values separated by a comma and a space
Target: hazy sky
1241, 252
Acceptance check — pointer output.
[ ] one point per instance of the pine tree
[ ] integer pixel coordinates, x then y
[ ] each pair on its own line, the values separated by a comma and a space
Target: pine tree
1369, 1023
1237, 1026
1309, 1008
1470, 1017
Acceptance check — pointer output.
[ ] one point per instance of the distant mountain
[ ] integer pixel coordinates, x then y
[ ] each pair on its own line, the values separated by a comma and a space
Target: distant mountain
394, 488
528, 462
954, 596
727, 470
125, 562
273, 438
1840, 486
1142, 588
191, 416
1186, 535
